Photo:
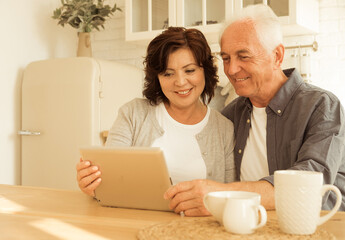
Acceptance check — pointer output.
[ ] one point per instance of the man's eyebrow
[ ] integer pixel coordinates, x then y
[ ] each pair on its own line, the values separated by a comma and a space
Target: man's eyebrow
237, 52
242, 51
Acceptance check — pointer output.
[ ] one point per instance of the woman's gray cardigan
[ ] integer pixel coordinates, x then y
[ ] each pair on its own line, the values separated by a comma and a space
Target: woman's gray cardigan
137, 125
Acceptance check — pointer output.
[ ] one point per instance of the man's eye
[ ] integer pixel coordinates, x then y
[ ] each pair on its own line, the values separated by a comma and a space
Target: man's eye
243, 57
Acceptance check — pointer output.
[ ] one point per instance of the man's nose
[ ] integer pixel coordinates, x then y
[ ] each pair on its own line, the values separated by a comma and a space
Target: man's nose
233, 67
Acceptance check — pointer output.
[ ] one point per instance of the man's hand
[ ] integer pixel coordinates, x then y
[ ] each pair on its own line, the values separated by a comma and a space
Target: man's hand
188, 196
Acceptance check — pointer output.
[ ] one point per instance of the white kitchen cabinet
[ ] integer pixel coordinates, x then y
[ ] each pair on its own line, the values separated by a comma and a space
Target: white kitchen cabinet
298, 17
145, 19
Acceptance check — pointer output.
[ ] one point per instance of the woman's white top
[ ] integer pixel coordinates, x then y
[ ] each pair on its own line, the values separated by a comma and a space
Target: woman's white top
180, 147
254, 164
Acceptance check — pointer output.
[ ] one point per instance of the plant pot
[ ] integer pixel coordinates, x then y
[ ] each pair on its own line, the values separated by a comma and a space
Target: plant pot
84, 45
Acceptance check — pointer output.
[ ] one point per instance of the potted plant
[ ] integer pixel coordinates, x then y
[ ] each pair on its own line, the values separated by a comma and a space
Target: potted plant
84, 15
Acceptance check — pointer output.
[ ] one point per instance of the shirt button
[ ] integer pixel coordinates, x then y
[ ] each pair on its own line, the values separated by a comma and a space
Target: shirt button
209, 174
279, 111
204, 153
240, 151
248, 120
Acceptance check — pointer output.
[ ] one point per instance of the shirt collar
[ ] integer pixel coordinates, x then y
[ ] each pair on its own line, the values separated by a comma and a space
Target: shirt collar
285, 93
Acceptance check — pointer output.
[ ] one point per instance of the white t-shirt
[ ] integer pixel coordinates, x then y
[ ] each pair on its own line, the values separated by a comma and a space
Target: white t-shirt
254, 164
180, 147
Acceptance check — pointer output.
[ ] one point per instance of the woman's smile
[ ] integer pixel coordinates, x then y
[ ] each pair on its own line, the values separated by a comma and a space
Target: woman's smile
184, 92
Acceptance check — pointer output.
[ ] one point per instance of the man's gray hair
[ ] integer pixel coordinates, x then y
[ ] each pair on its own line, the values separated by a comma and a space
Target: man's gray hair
266, 24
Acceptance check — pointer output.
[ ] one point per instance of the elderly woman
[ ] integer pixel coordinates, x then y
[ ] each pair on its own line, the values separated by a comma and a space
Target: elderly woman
180, 79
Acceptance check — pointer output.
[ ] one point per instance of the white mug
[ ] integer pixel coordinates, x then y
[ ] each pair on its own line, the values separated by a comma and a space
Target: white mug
298, 199
236, 210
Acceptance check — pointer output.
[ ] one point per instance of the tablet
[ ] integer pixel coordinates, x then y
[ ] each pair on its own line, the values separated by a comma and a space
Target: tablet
132, 177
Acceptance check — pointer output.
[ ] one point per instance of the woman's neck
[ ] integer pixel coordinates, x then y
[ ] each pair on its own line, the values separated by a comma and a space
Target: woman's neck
189, 115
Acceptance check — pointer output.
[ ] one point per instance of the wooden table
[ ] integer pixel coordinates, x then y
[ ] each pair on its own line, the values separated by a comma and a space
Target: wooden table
42, 213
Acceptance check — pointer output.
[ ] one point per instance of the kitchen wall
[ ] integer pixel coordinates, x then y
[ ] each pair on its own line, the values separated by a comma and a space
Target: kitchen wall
32, 35
27, 34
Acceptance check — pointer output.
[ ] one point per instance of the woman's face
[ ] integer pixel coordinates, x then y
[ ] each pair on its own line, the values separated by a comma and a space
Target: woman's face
183, 81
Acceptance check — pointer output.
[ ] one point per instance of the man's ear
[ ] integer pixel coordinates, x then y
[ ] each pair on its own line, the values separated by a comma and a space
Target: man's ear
279, 56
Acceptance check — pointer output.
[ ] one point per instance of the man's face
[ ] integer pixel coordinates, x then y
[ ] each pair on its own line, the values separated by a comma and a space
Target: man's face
246, 63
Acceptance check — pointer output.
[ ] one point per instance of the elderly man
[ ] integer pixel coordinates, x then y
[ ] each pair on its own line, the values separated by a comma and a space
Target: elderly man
280, 122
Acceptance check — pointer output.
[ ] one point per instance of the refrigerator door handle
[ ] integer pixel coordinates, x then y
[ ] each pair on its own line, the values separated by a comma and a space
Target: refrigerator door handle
28, 133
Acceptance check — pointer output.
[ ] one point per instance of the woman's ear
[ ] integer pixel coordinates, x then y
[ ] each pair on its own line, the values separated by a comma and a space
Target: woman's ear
279, 56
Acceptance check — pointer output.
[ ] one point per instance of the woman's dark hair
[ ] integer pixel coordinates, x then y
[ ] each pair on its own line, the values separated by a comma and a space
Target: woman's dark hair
162, 46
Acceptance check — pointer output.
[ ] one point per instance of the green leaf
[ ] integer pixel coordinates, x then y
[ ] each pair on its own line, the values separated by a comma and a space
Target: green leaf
84, 14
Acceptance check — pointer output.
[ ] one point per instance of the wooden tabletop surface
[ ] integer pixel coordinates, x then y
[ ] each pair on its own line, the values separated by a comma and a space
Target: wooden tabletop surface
42, 213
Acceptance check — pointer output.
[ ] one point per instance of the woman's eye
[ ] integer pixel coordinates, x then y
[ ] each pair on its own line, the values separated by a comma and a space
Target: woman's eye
190, 70
167, 74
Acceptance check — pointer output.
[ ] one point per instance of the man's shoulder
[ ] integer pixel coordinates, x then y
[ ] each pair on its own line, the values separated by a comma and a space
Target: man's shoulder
300, 88
235, 105
215, 115
313, 89
315, 93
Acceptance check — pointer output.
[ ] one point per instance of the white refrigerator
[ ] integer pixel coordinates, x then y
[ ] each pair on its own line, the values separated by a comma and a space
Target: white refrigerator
66, 104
